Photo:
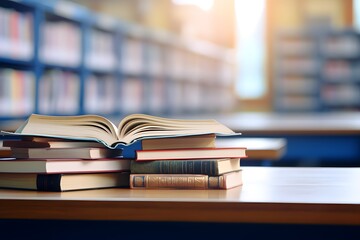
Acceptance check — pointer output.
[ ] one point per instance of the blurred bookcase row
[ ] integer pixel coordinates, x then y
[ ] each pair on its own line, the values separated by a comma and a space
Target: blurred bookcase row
59, 58
317, 70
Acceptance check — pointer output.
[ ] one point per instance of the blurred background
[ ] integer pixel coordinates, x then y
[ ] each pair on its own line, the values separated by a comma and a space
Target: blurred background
178, 57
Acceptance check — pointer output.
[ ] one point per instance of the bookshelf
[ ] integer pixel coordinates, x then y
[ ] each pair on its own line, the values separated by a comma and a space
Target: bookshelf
340, 70
57, 57
317, 70
100, 66
296, 71
17, 71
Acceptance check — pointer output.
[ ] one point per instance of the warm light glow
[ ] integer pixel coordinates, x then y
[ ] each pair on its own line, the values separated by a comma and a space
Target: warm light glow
356, 11
251, 51
205, 5
249, 15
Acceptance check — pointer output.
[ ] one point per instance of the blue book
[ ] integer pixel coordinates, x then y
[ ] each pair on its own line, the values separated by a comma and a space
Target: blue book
134, 132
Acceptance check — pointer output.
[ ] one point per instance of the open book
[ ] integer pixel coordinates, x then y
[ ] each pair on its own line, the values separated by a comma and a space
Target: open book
130, 129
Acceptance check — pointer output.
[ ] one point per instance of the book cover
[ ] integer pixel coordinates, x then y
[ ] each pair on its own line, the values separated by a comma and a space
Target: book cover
63, 182
185, 181
63, 165
212, 167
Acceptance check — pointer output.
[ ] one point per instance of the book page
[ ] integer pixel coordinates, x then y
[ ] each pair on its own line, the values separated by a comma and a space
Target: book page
140, 125
77, 127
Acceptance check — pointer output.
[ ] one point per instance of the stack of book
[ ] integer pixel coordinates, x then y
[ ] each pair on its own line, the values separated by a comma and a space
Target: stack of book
193, 168
50, 164
91, 143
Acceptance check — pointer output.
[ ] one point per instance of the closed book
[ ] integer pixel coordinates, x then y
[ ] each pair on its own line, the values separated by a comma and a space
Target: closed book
190, 153
63, 182
210, 167
186, 181
200, 141
81, 153
51, 143
196, 141
128, 151
63, 165
5, 152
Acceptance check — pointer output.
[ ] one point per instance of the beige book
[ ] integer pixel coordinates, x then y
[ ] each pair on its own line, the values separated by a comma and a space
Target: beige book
186, 181
63, 165
65, 153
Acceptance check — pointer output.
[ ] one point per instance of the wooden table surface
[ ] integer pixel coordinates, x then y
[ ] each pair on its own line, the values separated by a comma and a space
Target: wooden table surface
269, 195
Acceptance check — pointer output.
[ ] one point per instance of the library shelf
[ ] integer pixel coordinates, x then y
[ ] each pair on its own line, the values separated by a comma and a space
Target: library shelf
157, 69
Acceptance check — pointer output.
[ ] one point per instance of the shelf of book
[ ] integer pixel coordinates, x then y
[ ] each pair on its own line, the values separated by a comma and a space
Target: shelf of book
296, 76
341, 84
317, 71
84, 62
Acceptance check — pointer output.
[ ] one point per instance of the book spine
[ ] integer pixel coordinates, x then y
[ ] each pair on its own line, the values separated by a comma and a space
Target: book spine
129, 151
217, 182
49, 182
168, 181
176, 167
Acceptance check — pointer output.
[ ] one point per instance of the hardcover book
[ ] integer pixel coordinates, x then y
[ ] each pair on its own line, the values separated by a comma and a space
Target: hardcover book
80, 153
190, 153
63, 182
63, 165
212, 167
198, 141
185, 181
5, 152
50, 143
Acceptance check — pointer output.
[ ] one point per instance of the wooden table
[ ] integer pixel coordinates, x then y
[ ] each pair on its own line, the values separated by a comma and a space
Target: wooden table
269, 195
281, 203
311, 138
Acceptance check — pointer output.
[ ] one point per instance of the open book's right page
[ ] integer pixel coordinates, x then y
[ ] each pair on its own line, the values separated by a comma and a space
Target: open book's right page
139, 126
